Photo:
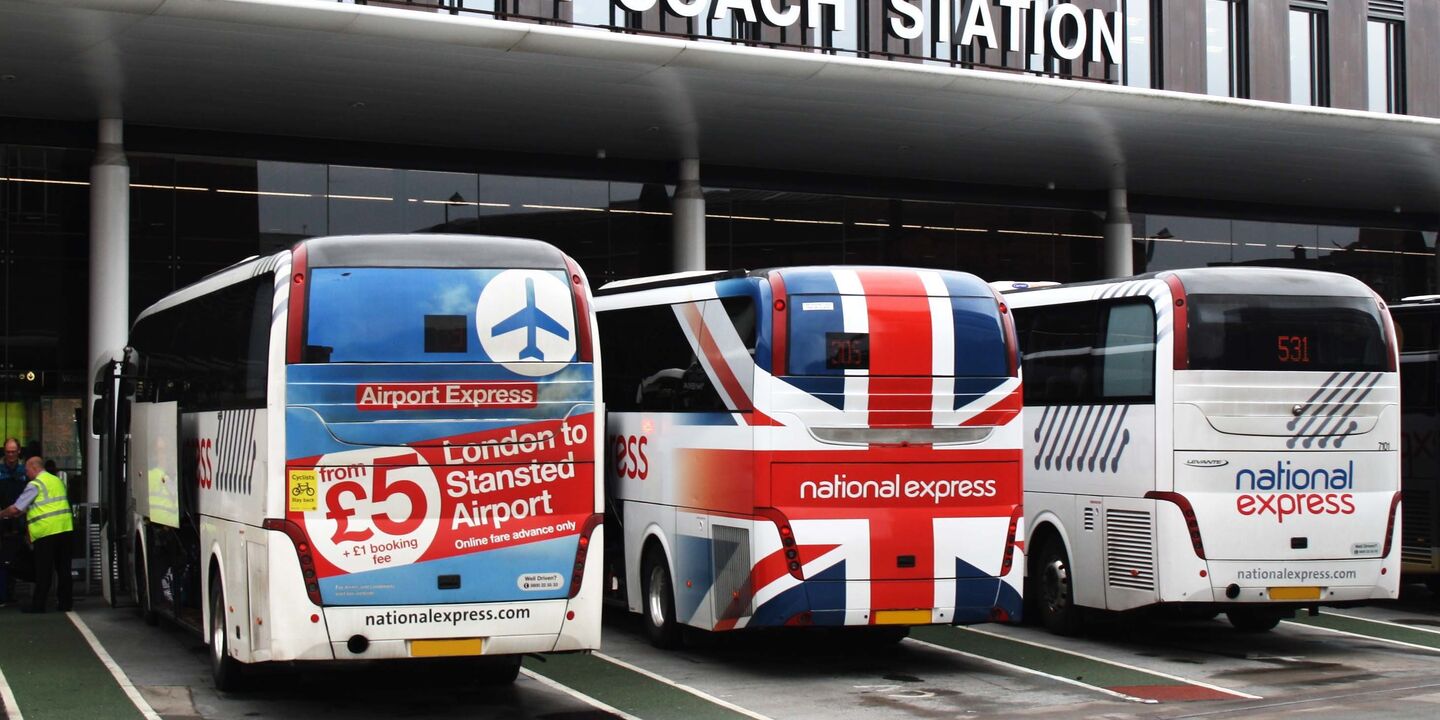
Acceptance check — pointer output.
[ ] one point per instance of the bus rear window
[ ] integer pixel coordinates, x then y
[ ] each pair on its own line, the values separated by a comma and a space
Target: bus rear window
1285, 332
439, 315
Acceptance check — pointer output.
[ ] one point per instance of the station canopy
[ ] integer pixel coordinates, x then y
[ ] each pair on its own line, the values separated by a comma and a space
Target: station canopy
312, 68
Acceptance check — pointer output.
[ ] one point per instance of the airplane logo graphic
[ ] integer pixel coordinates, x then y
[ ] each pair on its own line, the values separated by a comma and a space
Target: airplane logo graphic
532, 319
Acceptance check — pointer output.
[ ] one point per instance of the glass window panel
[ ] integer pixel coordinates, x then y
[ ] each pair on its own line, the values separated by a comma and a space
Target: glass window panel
1173, 241
1302, 58
1384, 65
1129, 352
366, 200
1137, 43
291, 203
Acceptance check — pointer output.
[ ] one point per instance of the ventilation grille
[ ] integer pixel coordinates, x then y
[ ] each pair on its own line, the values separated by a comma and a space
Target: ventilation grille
1129, 549
730, 550
1394, 9
1090, 519
1417, 529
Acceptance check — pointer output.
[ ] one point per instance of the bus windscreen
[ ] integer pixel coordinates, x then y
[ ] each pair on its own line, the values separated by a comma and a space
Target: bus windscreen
1285, 332
405, 315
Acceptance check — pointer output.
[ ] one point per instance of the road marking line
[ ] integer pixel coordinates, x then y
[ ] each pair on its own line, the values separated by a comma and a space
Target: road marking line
1401, 643
707, 697
128, 687
1116, 663
582, 697
1032, 671
1361, 618
11, 708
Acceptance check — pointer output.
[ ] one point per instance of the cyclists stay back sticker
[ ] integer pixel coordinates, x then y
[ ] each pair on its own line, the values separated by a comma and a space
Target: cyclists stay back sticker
303, 491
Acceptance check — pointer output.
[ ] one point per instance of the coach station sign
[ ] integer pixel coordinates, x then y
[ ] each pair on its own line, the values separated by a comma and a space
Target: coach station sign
1063, 30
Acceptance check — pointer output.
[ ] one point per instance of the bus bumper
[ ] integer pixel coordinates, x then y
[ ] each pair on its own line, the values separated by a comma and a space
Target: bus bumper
387, 632
1319, 582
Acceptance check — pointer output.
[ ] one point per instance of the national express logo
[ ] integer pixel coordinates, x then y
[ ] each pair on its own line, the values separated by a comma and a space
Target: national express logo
1283, 491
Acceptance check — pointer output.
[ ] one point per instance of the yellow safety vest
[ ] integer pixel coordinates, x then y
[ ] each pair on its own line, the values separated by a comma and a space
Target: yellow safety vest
49, 514
163, 506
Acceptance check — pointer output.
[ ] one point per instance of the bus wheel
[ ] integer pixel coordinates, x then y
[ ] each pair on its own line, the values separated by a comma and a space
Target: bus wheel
1056, 601
660, 624
142, 589
1248, 620
500, 670
224, 669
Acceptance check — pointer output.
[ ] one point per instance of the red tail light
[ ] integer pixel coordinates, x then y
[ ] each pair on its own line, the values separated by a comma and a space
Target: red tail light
1012, 344
779, 318
1391, 351
302, 549
1191, 523
583, 551
1181, 327
295, 319
1390, 527
1009, 558
582, 310
787, 540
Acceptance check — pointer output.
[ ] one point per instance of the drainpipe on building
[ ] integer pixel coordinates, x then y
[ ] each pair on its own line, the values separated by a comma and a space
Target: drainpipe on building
1119, 255
109, 273
688, 220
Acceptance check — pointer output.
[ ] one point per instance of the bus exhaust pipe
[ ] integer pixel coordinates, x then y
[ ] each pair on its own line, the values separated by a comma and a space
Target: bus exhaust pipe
1233, 591
357, 644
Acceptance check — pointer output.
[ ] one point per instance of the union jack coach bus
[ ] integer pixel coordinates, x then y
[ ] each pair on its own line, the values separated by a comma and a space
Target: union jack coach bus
366, 447
812, 446
1221, 439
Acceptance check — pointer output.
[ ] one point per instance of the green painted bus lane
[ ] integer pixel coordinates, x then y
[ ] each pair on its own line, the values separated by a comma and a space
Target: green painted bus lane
1072, 667
52, 671
627, 690
1375, 629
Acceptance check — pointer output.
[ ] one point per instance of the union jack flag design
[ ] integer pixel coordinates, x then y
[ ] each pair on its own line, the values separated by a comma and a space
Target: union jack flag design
866, 466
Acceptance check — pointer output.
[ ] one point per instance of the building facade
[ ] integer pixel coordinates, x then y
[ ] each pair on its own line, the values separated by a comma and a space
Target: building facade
144, 145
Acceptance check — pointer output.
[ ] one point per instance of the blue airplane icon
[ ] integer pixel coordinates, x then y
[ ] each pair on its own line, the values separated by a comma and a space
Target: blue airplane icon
531, 318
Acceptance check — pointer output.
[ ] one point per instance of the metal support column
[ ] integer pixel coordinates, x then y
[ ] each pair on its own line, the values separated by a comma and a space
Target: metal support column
1119, 250
109, 272
688, 220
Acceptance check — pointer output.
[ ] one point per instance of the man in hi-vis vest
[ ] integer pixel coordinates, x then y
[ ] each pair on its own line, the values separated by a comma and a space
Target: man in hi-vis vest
47, 516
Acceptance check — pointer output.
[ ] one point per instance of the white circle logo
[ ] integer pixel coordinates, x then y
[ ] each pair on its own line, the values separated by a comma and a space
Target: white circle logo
526, 321
377, 508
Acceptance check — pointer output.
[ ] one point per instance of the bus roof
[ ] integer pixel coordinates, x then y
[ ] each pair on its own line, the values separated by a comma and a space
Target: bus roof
431, 250
1240, 280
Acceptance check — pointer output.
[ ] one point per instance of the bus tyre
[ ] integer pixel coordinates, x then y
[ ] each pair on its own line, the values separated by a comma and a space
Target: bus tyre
502, 670
1055, 601
1248, 620
142, 589
223, 668
659, 602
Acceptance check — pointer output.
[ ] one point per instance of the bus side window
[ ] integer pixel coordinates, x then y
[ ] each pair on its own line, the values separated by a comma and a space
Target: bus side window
1128, 357
1058, 344
650, 365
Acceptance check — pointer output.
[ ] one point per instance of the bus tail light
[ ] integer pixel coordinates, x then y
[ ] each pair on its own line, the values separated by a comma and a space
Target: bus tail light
582, 310
1390, 526
787, 540
1010, 544
1392, 352
295, 317
1012, 344
1181, 333
302, 549
1191, 523
583, 551
779, 320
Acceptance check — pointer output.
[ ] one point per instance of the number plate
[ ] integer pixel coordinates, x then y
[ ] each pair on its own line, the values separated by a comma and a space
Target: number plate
446, 648
1294, 593
903, 617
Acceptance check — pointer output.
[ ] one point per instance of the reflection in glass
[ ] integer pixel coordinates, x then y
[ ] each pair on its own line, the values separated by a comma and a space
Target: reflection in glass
1385, 65
1224, 48
1137, 43
1309, 57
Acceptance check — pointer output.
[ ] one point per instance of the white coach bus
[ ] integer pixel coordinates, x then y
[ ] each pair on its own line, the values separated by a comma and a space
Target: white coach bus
1223, 438
367, 447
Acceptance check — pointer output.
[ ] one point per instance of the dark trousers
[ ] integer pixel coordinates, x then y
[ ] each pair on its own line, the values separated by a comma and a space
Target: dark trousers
52, 559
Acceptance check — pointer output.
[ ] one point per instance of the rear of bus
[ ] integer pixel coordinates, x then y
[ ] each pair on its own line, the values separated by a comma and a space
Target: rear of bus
1417, 324
440, 434
1286, 444
892, 465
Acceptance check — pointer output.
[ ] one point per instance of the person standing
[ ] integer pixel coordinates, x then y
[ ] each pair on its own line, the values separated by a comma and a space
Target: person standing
12, 482
51, 526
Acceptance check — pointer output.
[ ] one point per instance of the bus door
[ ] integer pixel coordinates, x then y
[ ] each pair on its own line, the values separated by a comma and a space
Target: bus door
1286, 426
440, 431
897, 467
110, 420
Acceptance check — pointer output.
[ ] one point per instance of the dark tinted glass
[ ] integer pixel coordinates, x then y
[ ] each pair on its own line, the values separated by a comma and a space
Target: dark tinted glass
1283, 332
650, 363
1090, 352
211, 352
1418, 354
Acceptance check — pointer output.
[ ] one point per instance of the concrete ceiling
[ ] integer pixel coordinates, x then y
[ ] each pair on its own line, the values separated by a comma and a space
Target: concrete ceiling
324, 69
